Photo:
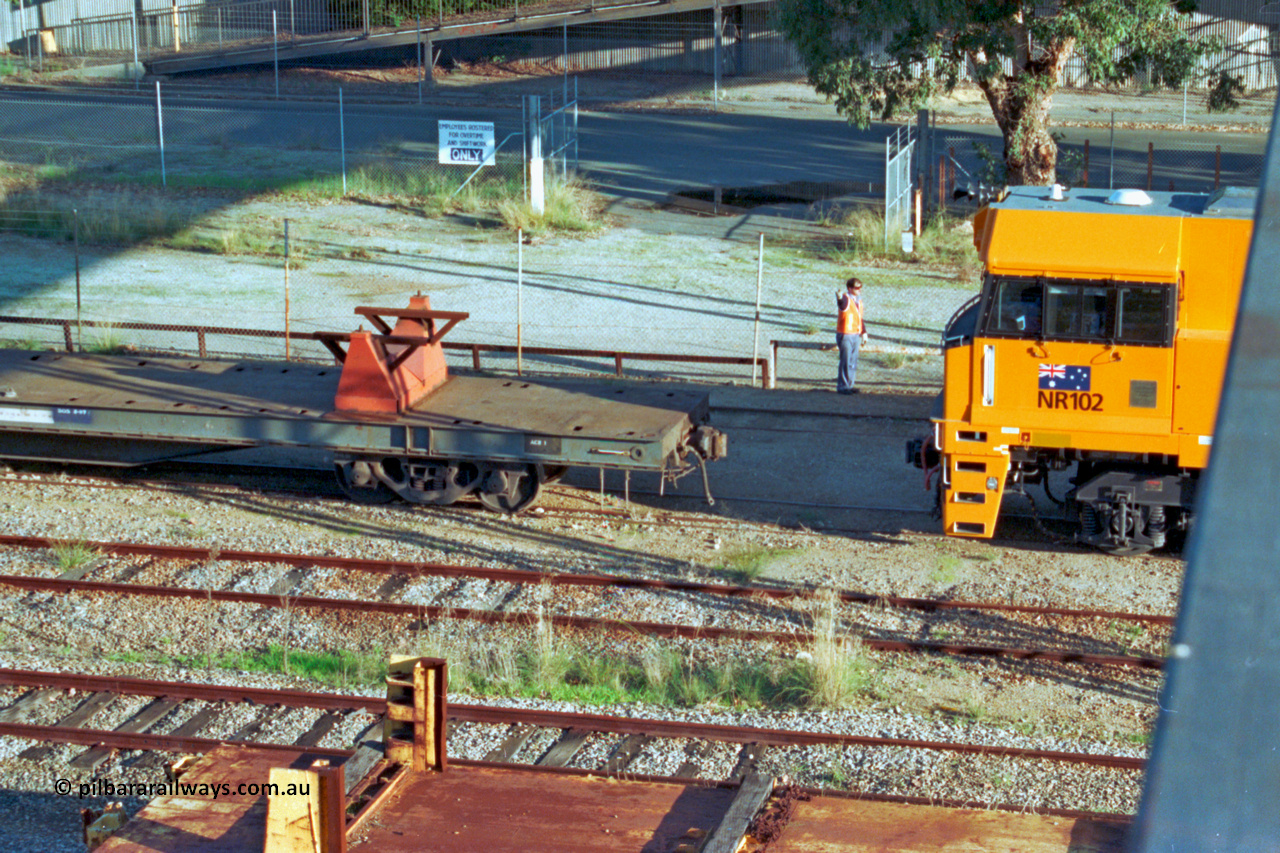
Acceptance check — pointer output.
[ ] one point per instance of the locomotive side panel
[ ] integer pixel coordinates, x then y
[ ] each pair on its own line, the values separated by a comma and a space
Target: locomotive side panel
1213, 271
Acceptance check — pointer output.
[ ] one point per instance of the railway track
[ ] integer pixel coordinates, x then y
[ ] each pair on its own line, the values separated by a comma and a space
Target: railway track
575, 503
548, 740
796, 629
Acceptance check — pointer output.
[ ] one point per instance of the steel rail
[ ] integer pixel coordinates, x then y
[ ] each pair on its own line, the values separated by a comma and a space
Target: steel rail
173, 744
145, 741
543, 719
129, 686
765, 737
653, 629
174, 552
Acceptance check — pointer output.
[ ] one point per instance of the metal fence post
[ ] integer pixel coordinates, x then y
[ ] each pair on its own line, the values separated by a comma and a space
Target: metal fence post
133, 16
755, 343
26, 45
716, 17
420, 69
275, 51
342, 141
364, 12
164, 178
286, 289
888, 158
537, 189
1111, 171
75, 241
519, 302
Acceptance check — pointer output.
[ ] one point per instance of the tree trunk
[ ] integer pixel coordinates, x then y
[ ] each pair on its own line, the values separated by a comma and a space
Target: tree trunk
1021, 105
1030, 153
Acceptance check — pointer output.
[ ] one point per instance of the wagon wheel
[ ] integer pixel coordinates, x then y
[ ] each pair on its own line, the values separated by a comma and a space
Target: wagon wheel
509, 490
360, 484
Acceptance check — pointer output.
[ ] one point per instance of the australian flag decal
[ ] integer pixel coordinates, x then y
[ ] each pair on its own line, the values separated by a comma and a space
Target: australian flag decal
1064, 377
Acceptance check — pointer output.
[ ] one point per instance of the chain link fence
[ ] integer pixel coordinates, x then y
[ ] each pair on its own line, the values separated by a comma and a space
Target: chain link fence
101, 223
1158, 147
687, 308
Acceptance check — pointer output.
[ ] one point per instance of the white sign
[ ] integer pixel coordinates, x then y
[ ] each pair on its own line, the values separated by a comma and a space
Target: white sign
467, 143
26, 416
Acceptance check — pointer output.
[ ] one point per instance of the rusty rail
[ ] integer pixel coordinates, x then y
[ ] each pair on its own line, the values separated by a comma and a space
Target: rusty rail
541, 719
202, 332
145, 741
423, 612
126, 685
453, 570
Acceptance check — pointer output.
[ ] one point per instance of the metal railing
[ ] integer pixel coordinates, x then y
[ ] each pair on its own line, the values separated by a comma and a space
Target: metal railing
202, 333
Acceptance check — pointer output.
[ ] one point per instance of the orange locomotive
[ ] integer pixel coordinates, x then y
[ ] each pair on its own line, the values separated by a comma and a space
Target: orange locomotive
1099, 341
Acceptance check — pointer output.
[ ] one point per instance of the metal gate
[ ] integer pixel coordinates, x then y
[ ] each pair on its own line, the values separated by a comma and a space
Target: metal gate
898, 149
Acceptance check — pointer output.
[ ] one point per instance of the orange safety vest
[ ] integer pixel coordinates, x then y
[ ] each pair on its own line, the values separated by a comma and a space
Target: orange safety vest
850, 320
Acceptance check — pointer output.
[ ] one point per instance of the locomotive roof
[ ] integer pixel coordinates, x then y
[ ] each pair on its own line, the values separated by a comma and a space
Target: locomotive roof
1225, 203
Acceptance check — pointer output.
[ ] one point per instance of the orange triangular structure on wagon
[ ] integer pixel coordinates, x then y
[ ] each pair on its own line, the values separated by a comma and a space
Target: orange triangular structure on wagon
391, 370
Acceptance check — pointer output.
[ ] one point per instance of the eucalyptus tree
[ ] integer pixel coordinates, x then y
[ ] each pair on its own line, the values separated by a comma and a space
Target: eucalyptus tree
876, 58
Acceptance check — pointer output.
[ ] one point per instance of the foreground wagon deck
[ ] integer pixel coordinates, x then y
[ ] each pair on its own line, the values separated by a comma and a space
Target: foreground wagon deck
400, 791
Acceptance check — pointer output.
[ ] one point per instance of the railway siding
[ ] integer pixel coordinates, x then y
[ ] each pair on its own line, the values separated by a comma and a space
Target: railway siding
931, 697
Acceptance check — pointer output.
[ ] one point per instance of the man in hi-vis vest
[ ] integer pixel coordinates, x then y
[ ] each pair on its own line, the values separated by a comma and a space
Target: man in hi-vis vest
851, 333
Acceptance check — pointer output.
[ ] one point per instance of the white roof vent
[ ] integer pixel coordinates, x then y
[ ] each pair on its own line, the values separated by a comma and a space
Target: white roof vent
1129, 198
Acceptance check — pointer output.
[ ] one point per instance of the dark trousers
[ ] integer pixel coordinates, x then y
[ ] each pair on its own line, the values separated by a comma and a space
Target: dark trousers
847, 372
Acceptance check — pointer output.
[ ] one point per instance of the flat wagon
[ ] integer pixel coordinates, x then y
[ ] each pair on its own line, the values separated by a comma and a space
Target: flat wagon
393, 419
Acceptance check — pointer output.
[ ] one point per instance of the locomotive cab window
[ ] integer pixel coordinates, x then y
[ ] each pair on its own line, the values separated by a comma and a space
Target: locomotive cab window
1066, 310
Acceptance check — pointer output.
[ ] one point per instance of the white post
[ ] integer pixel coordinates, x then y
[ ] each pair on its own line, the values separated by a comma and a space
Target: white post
755, 347
537, 188
164, 179
133, 16
716, 22
520, 302
342, 142
286, 289
275, 51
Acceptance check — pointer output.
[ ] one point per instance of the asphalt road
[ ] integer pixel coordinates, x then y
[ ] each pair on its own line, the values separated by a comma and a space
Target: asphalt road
643, 154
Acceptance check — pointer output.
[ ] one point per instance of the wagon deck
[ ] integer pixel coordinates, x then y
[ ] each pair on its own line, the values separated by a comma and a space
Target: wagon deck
132, 410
